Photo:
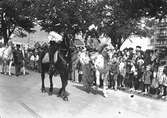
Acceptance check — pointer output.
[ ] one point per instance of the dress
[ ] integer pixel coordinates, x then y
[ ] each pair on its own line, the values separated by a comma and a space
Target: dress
164, 80
147, 77
87, 75
86, 69
18, 60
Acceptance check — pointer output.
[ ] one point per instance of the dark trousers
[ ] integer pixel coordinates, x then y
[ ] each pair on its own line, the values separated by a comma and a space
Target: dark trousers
165, 90
52, 49
141, 86
136, 83
129, 80
17, 69
120, 80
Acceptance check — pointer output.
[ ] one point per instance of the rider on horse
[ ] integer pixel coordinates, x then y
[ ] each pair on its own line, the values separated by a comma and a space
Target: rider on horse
54, 40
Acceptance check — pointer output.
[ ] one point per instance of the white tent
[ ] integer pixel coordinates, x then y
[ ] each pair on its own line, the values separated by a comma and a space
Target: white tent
134, 41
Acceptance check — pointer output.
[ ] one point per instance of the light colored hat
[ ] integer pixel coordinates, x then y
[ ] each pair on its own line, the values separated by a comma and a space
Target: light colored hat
148, 66
53, 36
84, 49
91, 27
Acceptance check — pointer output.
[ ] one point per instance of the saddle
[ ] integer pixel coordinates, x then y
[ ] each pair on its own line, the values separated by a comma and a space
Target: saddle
46, 57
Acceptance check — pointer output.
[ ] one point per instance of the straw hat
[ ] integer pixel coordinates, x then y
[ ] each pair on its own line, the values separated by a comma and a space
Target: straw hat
53, 36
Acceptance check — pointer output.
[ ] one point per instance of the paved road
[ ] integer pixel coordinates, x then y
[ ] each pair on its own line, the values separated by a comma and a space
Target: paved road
20, 97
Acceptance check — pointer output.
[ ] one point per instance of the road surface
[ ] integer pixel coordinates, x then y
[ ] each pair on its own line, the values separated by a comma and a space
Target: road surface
20, 97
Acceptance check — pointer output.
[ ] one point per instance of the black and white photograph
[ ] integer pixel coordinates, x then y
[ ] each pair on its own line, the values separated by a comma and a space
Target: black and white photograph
83, 58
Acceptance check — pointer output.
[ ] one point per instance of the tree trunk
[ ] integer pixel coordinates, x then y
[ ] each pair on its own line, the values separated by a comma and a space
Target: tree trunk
4, 29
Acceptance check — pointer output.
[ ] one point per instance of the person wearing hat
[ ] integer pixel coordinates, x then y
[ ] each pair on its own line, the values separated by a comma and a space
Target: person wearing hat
130, 53
54, 44
147, 79
138, 48
18, 58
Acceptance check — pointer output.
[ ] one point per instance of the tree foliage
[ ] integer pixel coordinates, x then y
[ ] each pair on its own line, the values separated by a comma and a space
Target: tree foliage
15, 17
64, 15
146, 8
117, 19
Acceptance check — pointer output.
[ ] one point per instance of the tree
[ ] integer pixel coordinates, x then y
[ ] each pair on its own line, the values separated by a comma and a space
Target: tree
15, 17
146, 8
119, 19
114, 22
68, 17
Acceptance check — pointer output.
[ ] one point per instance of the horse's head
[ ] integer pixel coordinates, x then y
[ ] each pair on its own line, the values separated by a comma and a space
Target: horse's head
10, 43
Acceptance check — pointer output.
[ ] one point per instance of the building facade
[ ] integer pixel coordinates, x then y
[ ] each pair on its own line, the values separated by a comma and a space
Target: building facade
160, 39
161, 34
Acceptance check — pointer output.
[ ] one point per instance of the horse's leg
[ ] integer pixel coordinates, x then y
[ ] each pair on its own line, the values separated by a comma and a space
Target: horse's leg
43, 82
97, 80
5, 67
10, 66
2, 67
24, 70
64, 80
51, 84
59, 93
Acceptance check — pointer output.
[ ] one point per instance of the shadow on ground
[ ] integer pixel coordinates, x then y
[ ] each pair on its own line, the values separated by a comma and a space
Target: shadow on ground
21, 74
55, 91
92, 90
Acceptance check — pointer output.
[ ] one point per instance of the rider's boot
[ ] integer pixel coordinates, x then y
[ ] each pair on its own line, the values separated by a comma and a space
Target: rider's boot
52, 50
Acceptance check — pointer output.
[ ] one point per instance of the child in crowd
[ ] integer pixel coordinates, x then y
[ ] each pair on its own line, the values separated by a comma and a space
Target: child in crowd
155, 83
160, 77
129, 77
122, 72
165, 82
140, 70
114, 71
147, 78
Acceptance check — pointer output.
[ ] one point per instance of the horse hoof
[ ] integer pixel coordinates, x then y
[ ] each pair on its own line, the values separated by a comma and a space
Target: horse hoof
50, 90
50, 93
43, 90
65, 98
58, 95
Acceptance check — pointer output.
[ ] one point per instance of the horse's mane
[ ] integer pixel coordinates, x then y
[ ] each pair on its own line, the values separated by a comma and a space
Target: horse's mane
101, 48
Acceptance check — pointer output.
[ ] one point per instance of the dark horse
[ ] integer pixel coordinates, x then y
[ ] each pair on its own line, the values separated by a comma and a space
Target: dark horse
61, 66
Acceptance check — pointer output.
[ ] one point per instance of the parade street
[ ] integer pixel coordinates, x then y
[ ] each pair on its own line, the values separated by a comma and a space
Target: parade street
20, 97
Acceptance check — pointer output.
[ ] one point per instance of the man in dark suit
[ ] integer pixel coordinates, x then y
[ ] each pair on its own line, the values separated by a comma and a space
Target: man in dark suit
18, 59
54, 45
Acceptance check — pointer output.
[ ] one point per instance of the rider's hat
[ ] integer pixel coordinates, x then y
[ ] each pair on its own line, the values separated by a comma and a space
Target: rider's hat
53, 36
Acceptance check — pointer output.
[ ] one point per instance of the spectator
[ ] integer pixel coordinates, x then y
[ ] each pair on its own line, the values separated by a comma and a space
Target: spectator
165, 82
147, 79
18, 59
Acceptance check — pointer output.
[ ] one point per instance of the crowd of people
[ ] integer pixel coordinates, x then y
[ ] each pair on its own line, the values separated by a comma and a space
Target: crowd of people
21, 59
131, 69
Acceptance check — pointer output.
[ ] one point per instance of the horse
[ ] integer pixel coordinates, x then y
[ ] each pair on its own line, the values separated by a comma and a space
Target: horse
18, 57
6, 56
61, 66
102, 67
